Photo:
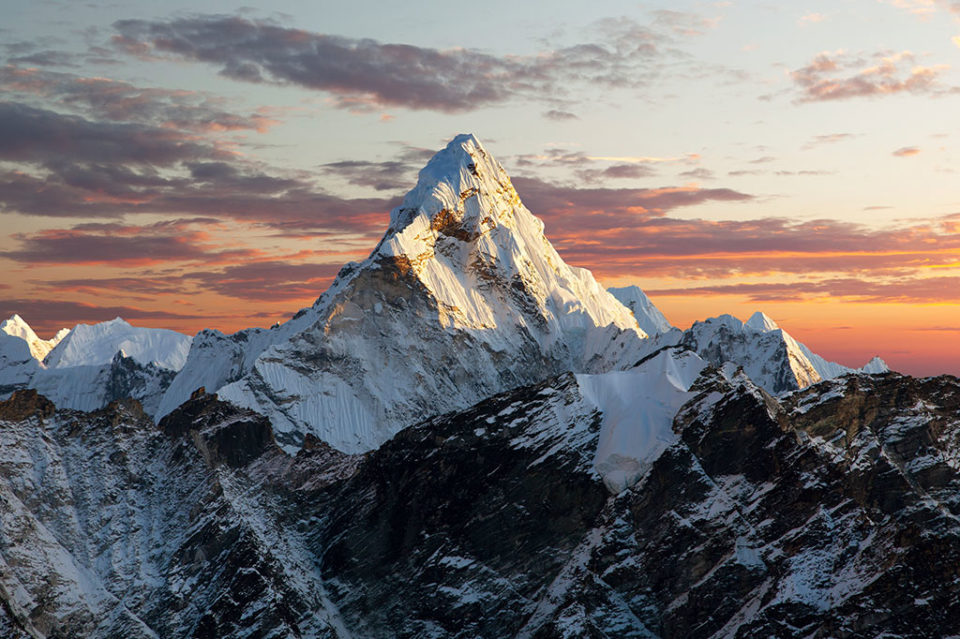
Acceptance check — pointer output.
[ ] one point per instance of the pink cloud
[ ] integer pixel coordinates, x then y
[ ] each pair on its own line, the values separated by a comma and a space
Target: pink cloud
840, 76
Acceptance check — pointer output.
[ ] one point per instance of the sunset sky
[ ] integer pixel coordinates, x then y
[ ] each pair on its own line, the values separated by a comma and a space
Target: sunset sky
188, 170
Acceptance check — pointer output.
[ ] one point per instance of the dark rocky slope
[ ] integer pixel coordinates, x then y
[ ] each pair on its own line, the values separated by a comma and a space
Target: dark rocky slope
831, 513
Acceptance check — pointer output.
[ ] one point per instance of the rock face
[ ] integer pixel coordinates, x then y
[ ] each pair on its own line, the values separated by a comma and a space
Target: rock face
830, 512
113, 527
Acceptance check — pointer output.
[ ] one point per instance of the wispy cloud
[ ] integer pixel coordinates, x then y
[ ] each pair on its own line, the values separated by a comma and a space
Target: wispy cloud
905, 290
811, 18
558, 115
841, 76
392, 175
685, 23
828, 138
268, 280
906, 151
124, 245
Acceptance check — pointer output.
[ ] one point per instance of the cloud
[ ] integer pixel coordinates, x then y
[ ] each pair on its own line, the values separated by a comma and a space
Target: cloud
366, 75
840, 76
48, 316
906, 151
102, 98
572, 210
631, 231
46, 58
29, 134
122, 245
142, 287
925, 9
685, 23
382, 176
627, 171
114, 192
268, 280
906, 290
829, 138
560, 116
811, 18
74, 167
699, 173
596, 168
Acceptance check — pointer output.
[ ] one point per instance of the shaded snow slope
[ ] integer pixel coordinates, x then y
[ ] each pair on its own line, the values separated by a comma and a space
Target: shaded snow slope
651, 320
638, 407
17, 364
216, 359
463, 297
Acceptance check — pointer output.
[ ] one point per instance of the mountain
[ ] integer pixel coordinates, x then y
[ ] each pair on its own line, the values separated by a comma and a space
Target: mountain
832, 511
462, 298
769, 356
17, 327
465, 437
94, 345
649, 317
17, 363
90, 366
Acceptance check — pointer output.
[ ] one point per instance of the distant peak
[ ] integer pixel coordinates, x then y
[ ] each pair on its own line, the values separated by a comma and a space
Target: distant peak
875, 366
17, 327
760, 321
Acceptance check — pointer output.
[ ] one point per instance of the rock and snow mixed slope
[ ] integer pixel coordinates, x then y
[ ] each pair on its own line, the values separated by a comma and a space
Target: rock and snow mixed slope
770, 356
831, 512
462, 298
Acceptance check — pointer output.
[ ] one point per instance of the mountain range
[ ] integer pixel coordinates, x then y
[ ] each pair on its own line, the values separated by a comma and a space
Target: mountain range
464, 436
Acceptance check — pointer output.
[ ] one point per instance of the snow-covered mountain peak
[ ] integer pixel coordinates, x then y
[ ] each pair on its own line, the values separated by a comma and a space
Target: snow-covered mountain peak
463, 297
760, 321
450, 186
97, 344
18, 327
464, 235
875, 366
651, 320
